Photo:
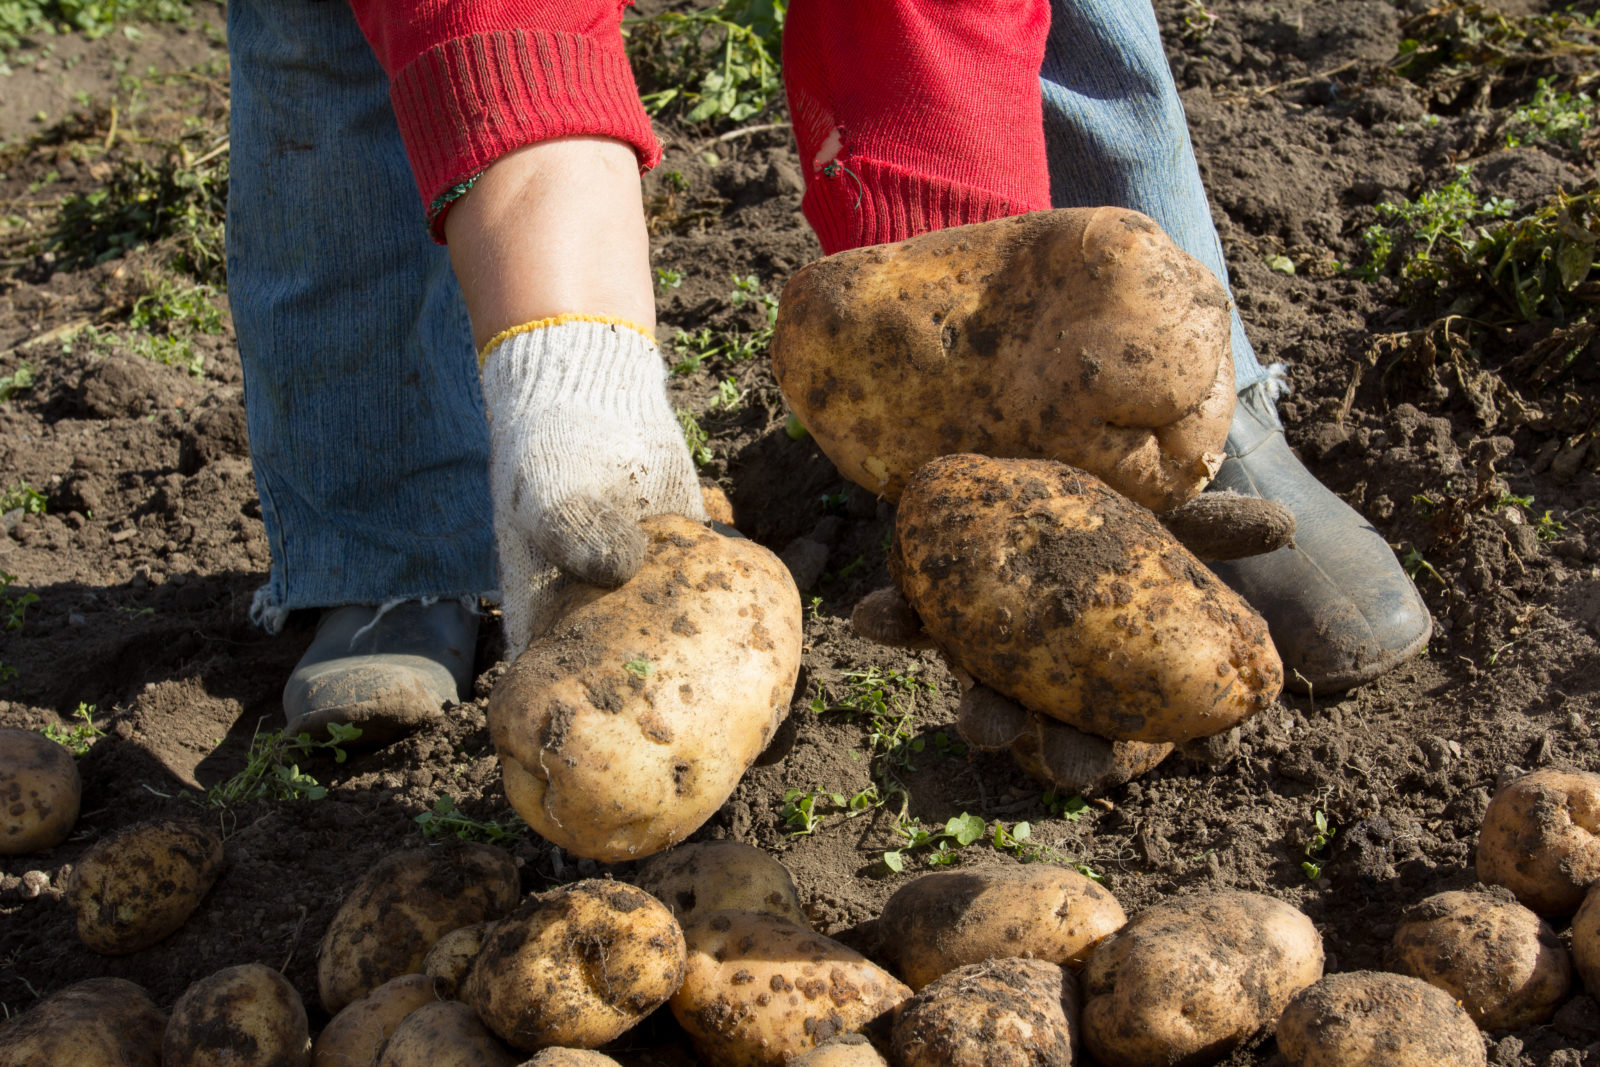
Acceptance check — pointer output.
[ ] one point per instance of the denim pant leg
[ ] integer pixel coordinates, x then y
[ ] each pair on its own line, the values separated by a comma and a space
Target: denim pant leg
366, 422
1116, 135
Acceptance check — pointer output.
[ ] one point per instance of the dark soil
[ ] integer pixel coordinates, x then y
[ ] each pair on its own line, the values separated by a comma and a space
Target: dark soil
150, 544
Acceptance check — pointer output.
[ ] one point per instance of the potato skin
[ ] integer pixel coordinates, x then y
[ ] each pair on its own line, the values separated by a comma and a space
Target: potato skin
40, 790
1586, 941
244, 1016
1083, 335
570, 1057
1185, 981
846, 1050
1541, 839
1373, 1018
354, 1037
576, 966
760, 990
136, 888
101, 1022
450, 958
719, 875
444, 1034
402, 906
948, 919
625, 727
1502, 962
998, 1013
1048, 587
1072, 761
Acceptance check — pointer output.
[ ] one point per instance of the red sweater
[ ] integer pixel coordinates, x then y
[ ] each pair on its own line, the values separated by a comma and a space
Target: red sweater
911, 115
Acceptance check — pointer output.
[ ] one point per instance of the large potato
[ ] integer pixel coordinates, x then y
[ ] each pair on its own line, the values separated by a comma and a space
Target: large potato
760, 990
1053, 590
1498, 959
1083, 335
1372, 1018
354, 1037
1586, 941
999, 1013
941, 921
1541, 839
102, 1022
576, 966
131, 890
244, 1016
1188, 980
720, 875
625, 727
402, 906
39, 792
444, 1034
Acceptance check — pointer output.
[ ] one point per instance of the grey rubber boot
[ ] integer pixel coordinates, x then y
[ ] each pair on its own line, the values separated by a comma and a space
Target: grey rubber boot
385, 671
1340, 607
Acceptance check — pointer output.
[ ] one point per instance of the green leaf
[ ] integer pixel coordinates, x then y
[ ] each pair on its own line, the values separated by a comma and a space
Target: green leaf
965, 828
1022, 831
1573, 260
893, 861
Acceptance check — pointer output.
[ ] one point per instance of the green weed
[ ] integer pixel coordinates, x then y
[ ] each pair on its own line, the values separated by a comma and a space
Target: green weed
729, 396
444, 818
1456, 39
1551, 117
719, 63
272, 770
18, 381
24, 497
13, 609
92, 18
1422, 239
668, 279
79, 737
800, 811
1317, 842
695, 436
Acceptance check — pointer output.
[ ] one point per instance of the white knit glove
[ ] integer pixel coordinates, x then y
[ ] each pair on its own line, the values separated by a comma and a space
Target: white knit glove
582, 444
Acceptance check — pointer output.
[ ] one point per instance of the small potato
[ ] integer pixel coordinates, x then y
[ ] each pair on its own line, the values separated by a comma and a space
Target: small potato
625, 727
576, 966
719, 875
1498, 959
1188, 980
354, 1037
998, 1013
444, 1034
39, 792
1071, 761
945, 920
1046, 586
244, 1016
1586, 941
846, 1050
402, 906
1541, 839
1368, 1018
760, 990
570, 1057
102, 1022
132, 890
450, 958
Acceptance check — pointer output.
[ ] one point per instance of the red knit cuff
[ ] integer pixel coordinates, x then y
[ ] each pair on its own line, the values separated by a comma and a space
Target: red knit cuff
464, 103
871, 203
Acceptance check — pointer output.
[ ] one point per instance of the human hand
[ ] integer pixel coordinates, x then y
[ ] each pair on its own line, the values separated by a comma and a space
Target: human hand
582, 444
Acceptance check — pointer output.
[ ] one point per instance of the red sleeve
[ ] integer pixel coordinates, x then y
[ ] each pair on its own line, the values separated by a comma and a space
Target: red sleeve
473, 79
937, 108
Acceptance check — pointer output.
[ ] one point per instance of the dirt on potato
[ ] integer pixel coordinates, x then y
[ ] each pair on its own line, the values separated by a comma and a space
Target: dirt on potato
1463, 431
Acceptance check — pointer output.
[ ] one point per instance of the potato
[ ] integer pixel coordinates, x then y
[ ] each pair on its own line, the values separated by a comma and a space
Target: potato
1048, 587
1368, 1018
989, 1014
570, 1057
761, 990
846, 1050
1187, 980
444, 1034
1586, 941
131, 890
451, 956
577, 966
1071, 761
39, 789
719, 875
941, 921
354, 1037
102, 1022
1083, 335
625, 727
1541, 839
243, 1016
1498, 959
402, 906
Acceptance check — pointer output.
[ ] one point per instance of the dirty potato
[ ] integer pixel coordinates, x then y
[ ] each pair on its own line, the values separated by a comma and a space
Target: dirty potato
938, 922
760, 990
1185, 981
1046, 586
402, 906
570, 1057
625, 727
1364, 1018
1502, 962
1541, 839
243, 1016
450, 958
846, 1050
39, 792
1083, 335
354, 1037
1586, 941
445, 1033
132, 890
999, 1013
719, 875
101, 1022
576, 966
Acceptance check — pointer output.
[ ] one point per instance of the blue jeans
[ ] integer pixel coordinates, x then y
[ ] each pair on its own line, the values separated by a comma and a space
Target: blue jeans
366, 424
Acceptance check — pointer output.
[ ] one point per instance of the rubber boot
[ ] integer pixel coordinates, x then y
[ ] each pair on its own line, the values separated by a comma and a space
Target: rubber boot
1340, 607
386, 671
